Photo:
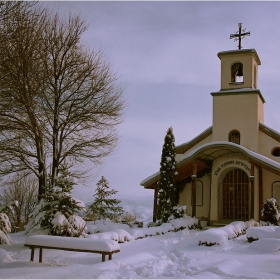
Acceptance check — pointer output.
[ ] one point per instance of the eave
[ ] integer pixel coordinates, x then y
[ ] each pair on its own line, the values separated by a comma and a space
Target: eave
269, 131
204, 155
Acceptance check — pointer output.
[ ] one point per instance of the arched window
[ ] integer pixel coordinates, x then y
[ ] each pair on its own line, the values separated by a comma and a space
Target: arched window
276, 152
276, 191
237, 72
234, 137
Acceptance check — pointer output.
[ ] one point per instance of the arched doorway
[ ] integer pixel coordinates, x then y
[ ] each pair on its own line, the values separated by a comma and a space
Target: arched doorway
235, 196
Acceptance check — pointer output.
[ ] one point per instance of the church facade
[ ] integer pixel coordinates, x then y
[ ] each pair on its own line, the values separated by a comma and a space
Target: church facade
228, 171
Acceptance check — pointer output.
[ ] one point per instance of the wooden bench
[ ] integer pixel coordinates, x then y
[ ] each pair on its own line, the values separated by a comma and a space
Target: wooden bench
76, 244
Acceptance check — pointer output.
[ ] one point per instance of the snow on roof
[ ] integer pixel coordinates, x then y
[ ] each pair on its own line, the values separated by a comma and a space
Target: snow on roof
250, 153
258, 157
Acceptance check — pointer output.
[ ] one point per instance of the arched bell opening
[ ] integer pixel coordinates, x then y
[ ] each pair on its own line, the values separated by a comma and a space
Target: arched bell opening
237, 73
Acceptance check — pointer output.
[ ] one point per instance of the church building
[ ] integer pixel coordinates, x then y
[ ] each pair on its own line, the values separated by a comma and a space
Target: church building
228, 171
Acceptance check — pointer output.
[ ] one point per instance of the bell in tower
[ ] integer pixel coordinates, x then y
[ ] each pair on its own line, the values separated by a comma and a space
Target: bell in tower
237, 72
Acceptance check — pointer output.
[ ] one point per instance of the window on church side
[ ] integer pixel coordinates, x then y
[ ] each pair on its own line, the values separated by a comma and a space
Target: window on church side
237, 73
276, 191
234, 137
199, 193
276, 152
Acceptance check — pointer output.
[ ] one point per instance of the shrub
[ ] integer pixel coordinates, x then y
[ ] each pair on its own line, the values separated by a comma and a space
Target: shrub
5, 228
270, 212
179, 211
18, 200
57, 211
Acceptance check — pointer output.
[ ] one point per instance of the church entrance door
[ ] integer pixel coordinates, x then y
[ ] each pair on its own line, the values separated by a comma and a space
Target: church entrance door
235, 196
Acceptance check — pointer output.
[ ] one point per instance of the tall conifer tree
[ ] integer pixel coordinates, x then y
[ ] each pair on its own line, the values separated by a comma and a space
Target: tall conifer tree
166, 187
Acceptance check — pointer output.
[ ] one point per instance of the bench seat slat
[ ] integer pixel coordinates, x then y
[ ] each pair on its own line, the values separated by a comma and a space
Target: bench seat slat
71, 249
87, 245
105, 245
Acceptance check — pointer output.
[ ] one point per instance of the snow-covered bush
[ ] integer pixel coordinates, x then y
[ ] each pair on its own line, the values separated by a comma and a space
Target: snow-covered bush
179, 211
153, 224
103, 226
212, 236
219, 236
230, 231
57, 211
5, 229
119, 235
239, 227
129, 219
186, 222
252, 223
256, 233
270, 213
73, 226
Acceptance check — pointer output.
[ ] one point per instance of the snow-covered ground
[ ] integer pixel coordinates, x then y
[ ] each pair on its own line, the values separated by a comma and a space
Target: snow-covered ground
171, 255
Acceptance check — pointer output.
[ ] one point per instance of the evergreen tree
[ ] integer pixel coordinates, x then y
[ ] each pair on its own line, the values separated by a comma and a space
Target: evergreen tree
270, 212
167, 198
104, 206
57, 211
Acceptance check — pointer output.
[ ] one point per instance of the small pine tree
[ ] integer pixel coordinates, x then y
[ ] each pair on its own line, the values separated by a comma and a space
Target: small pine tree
104, 207
270, 212
166, 187
56, 212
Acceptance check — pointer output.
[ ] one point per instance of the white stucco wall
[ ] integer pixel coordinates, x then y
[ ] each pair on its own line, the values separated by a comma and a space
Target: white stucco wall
237, 112
185, 198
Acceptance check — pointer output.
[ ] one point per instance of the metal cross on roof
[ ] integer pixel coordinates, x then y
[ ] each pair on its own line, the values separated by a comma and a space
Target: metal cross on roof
240, 34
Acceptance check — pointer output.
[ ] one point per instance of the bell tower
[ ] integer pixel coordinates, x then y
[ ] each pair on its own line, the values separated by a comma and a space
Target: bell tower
239, 69
238, 106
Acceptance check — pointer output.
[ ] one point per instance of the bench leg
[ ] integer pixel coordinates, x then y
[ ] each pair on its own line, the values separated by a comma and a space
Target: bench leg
110, 257
41, 255
32, 254
103, 257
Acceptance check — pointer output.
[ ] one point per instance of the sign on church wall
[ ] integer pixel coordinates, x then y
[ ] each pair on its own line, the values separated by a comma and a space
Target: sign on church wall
235, 163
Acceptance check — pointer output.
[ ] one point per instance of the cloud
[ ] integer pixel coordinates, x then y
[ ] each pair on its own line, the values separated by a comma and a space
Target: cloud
166, 54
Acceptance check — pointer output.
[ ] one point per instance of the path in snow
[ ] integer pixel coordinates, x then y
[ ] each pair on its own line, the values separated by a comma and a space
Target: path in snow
174, 255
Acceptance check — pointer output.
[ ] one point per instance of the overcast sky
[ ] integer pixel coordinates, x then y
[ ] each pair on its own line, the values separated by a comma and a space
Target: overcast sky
166, 55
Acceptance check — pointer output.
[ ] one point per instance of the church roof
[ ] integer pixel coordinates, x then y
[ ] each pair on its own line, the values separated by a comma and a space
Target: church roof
181, 149
269, 131
205, 154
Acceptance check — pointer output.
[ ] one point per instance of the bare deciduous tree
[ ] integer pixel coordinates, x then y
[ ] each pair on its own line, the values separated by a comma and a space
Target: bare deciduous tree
60, 103
18, 200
